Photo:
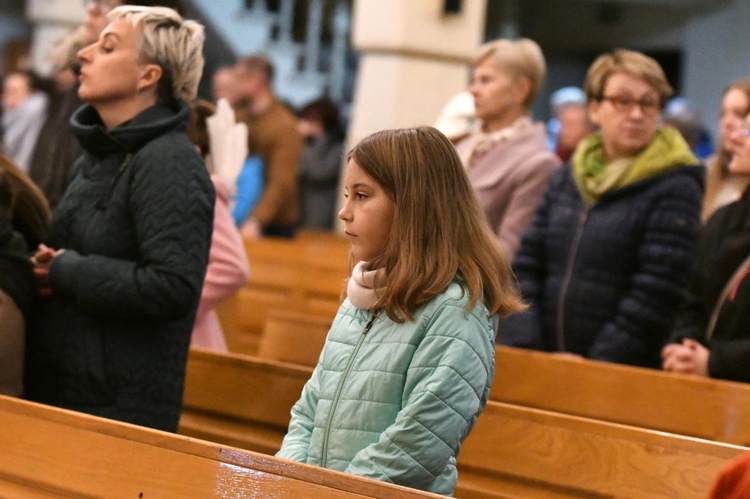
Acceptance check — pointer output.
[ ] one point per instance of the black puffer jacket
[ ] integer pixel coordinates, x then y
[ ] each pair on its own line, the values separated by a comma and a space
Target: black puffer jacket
135, 223
725, 244
605, 282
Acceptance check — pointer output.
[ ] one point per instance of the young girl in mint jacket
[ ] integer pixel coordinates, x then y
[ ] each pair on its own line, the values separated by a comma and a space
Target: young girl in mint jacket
409, 360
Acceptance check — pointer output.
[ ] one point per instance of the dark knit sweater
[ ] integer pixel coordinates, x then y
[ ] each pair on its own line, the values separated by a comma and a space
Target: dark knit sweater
135, 223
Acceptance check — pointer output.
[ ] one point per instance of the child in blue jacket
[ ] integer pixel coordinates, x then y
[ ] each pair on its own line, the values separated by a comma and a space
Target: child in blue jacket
409, 360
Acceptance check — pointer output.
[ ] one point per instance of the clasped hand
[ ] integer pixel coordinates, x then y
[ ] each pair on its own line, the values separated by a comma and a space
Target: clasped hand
688, 357
42, 261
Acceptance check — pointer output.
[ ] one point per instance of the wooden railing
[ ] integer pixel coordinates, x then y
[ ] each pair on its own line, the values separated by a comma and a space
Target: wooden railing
304, 275
50, 452
514, 451
687, 405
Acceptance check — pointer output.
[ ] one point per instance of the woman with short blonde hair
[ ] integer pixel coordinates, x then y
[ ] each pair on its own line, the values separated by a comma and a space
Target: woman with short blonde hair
129, 241
170, 42
522, 58
506, 157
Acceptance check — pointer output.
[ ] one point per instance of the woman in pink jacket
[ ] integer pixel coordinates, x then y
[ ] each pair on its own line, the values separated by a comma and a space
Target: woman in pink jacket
228, 269
507, 158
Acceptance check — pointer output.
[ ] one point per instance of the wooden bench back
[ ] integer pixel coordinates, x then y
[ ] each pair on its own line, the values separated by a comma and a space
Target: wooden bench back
513, 451
238, 400
293, 337
524, 452
50, 452
687, 405
305, 274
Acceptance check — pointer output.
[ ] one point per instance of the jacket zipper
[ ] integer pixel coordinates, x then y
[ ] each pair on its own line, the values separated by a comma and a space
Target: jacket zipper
340, 387
566, 282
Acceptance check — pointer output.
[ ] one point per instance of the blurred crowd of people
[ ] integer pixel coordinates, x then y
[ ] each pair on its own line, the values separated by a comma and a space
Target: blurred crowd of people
628, 230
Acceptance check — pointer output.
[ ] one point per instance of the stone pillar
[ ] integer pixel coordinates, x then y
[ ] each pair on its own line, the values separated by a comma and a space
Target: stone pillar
414, 58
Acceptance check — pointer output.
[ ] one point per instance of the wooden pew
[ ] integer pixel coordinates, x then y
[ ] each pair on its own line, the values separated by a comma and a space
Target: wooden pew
239, 400
521, 452
687, 405
294, 337
49, 452
513, 451
305, 274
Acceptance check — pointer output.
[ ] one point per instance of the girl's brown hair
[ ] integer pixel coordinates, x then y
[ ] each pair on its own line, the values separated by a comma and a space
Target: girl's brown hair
30, 213
439, 233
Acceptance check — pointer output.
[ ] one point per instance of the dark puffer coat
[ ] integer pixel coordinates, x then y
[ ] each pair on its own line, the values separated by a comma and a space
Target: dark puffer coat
725, 245
605, 282
135, 223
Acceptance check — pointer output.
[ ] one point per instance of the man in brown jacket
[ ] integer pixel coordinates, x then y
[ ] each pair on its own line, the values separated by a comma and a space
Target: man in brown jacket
272, 134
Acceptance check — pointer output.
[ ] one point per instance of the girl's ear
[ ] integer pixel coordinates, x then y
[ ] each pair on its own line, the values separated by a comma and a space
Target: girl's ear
150, 75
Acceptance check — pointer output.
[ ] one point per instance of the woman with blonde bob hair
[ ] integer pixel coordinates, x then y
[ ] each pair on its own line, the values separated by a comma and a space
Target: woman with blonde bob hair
409, 360
606, 261
128, 243
506, 158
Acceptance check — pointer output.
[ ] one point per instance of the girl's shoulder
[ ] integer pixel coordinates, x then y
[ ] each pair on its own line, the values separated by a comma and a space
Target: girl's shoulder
451, 305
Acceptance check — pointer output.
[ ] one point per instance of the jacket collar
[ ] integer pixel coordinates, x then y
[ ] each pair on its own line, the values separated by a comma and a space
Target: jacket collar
129, 136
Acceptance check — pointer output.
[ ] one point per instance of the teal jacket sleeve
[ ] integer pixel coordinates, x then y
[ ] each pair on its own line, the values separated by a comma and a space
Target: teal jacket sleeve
296, 443
447, 386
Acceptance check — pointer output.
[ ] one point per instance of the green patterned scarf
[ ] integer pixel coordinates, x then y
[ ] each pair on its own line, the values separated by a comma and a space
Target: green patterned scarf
595, 176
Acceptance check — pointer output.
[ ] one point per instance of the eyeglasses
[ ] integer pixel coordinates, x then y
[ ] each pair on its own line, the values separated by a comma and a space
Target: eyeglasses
624, 103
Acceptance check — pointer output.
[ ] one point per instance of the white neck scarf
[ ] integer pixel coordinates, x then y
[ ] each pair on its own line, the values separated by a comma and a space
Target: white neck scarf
365, 287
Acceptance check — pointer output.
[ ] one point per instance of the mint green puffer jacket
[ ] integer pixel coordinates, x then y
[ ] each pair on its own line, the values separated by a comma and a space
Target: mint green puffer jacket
394, 401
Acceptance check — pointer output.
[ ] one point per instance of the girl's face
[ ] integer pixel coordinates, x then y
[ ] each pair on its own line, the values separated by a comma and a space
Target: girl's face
367, 213
734, 107
111, 69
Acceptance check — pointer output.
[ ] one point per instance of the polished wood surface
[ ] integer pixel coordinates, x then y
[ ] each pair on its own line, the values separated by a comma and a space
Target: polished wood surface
526, 452
294, 337
240, 400
49, 452
687, 405
305, 274
513, 451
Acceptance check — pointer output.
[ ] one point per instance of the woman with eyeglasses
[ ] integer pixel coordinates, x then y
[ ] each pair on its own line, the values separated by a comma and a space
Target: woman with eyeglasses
605, 262
712, 335
129, 241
